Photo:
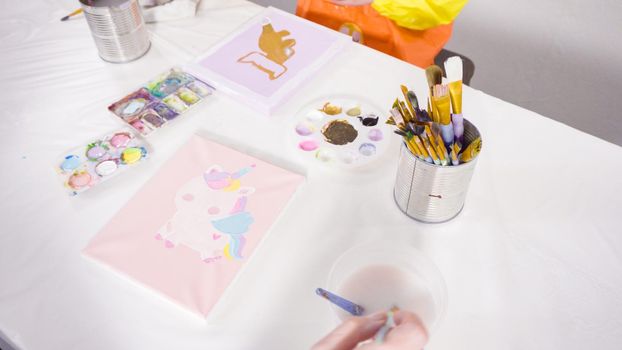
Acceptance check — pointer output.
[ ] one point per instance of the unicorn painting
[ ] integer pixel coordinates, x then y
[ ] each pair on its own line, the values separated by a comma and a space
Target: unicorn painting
211, 216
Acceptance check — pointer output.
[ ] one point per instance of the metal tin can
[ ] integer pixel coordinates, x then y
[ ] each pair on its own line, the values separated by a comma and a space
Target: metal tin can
429, 192
118, 29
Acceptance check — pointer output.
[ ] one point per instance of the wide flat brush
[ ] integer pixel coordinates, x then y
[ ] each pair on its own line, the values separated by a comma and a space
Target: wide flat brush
453, 69
434, 75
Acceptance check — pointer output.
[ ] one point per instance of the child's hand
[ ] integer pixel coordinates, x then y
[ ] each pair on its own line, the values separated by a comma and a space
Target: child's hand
408, 334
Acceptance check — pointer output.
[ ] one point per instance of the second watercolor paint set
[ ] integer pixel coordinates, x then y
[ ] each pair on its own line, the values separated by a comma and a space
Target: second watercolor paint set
160, 101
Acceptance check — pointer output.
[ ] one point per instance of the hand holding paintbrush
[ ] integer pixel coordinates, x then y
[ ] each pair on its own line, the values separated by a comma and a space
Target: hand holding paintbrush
395, 329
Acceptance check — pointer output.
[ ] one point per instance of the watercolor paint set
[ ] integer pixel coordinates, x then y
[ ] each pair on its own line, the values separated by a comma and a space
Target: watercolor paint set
341, 131
95, 162
160, 101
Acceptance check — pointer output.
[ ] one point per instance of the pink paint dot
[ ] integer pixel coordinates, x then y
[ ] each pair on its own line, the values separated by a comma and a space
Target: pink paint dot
188, 197
213, 210
309, 145
120, 140
79, 180
138, 125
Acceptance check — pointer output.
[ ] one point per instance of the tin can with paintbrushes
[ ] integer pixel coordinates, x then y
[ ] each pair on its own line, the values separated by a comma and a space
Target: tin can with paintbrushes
118, 28
433, 193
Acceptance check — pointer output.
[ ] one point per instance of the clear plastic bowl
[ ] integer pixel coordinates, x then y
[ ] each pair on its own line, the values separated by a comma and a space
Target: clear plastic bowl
379, 275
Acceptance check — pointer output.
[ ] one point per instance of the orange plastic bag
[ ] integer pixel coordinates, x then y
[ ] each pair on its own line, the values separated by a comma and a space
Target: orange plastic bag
368, 27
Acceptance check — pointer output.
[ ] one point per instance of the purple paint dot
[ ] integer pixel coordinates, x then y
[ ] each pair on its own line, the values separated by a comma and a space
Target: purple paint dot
367, 149
304, 128
96, 152
375, 135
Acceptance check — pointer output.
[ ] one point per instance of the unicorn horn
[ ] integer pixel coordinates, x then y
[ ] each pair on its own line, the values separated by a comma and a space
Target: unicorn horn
242, 172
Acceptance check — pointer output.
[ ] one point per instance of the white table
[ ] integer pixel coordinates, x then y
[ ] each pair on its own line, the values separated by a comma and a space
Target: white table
533, 261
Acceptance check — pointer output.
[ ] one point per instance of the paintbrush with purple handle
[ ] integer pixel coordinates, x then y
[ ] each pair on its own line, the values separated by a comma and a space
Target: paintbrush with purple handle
345, 304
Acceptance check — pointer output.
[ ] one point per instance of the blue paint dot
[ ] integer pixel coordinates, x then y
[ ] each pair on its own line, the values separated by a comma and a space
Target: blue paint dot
70, 163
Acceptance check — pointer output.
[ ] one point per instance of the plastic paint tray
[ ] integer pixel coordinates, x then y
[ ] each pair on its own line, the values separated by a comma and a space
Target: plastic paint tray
160, 101
97, 161
340, 131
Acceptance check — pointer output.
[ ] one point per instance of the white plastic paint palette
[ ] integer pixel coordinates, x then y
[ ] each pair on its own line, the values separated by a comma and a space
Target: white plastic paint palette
341, 132
95, 162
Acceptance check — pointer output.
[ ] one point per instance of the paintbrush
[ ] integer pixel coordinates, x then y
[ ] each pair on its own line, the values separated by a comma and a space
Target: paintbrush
432, 136
76, 12
441, 100
410, 105
419, 132
471, 151
398, 106
429, 146
424, 116
404, 111
412, 97
455, 149
424, 151
401, 133
345, 304
412, 146
398, 118
453, 69
388, 325
434, 75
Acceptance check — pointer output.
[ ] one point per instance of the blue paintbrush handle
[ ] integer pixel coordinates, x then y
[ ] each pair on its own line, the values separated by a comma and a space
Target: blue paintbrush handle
345, 304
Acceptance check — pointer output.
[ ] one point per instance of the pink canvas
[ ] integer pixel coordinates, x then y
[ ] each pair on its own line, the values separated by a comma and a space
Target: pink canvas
270, 52
192, 227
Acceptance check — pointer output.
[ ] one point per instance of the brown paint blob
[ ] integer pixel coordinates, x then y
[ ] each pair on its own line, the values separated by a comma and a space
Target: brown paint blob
339, 132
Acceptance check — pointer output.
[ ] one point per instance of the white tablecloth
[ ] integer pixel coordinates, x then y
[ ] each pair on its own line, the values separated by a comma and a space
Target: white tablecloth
533, 261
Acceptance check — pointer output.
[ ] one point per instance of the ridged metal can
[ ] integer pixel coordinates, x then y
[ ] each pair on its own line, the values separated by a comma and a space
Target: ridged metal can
118, 29
429, 192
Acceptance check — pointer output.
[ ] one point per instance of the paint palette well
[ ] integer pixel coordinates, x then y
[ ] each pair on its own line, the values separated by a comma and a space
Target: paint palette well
88, 165
160, 101
340, 131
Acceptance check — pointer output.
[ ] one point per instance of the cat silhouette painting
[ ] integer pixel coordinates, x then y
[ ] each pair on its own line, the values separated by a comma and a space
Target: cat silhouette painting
211, 216
275, 48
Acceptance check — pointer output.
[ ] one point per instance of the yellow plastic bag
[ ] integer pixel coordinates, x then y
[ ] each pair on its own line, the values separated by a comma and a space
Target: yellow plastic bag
419, 14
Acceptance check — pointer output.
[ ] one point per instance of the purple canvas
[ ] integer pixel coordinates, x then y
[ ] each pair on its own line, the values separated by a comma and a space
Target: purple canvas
263, 57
